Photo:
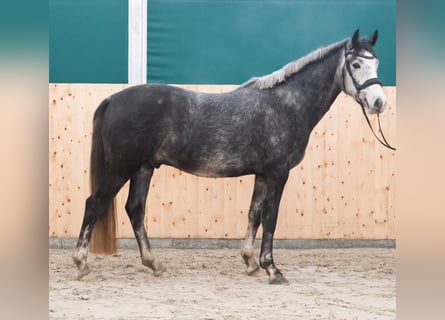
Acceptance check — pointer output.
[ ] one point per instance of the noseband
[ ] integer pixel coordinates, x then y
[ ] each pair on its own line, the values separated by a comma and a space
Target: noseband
359, 87
364, 85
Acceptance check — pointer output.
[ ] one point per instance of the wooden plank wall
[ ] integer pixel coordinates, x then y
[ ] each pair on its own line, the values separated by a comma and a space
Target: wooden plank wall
344, 188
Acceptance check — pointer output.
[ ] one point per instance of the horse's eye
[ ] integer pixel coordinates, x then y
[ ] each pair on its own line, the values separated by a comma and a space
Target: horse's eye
356, 65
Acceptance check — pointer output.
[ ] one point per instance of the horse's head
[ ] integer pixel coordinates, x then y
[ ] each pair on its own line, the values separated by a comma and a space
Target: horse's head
359, 73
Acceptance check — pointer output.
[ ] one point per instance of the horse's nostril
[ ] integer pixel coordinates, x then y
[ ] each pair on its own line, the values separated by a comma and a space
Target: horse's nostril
378, 104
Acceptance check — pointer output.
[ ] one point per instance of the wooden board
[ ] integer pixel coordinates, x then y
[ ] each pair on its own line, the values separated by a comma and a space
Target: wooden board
344, 187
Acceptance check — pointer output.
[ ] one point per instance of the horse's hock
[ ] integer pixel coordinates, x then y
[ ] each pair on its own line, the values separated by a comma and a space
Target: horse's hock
343, 189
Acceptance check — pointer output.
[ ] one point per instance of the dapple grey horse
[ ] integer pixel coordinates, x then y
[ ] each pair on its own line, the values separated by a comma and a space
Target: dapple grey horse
261, 128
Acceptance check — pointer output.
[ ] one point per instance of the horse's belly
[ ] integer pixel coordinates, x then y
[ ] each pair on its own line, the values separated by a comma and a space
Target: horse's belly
214, 165
211, 171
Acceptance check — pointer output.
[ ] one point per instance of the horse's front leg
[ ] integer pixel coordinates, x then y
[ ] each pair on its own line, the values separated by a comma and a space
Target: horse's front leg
275, 185
256, 208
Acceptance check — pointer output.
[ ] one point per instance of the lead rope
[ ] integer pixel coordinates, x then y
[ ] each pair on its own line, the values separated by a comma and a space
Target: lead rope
384, 142
360, 87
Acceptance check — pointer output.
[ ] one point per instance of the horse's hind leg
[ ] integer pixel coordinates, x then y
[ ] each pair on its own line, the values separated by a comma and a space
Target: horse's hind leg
135, 207
95, 207
256, 208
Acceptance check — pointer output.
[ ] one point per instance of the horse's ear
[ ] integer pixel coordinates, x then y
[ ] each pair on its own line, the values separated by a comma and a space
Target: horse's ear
355, 38
374, 37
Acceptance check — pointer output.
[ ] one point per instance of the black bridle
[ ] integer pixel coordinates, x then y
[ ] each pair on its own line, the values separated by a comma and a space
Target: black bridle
359, 87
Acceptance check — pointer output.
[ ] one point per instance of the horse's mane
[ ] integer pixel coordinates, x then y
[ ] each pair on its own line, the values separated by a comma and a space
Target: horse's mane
270, 80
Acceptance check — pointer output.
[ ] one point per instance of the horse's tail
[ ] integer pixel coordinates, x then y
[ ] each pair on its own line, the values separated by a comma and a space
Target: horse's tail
103, 239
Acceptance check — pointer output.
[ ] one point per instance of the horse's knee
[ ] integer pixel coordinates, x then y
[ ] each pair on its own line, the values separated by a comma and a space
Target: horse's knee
134, 207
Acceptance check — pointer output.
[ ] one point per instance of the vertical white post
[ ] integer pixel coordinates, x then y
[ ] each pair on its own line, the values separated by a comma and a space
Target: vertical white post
137, 41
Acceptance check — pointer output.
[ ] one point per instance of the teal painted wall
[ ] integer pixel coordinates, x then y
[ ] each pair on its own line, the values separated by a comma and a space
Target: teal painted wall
209, 41
88, 41
229, 41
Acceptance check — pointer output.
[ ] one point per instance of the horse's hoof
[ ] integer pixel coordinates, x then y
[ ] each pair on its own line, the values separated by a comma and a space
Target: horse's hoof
161, 273
83, 272
278, 279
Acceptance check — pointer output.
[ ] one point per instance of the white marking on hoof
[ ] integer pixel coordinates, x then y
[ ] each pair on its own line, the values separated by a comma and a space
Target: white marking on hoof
258, 272
161, 274
80, 260
83, 272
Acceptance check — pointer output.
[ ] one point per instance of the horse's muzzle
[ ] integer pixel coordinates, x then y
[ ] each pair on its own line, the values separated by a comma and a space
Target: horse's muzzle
374, 106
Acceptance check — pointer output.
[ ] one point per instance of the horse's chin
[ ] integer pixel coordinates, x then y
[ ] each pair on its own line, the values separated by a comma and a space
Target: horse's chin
364, 104
372, 110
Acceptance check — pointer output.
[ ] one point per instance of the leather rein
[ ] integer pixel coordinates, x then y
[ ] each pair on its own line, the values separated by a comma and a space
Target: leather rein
360, 87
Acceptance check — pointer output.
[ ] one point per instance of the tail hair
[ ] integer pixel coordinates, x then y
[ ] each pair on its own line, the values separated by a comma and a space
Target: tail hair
103, 239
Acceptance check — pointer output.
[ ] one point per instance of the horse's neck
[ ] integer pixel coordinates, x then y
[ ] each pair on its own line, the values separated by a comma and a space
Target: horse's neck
317, 87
